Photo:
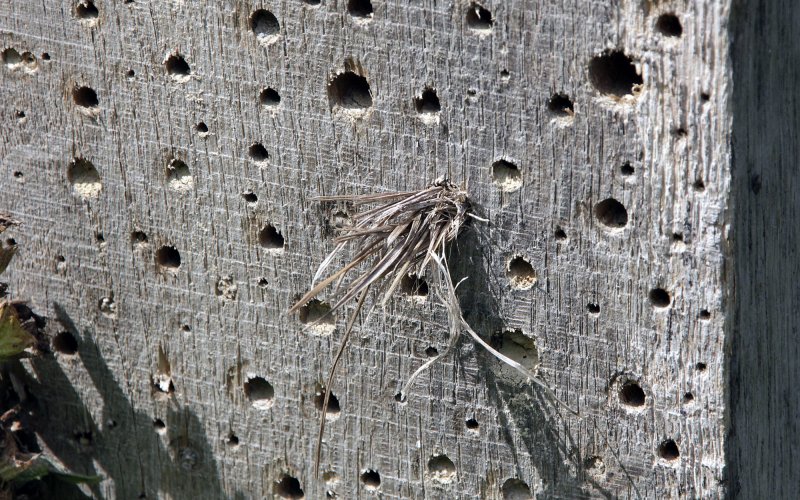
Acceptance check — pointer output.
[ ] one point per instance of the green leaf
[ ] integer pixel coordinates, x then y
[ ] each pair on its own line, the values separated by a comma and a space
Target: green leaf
5, 257
13, 338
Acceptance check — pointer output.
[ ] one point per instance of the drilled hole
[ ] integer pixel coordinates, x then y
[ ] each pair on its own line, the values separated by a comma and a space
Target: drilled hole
560, 105
479, 18
168, 258
659, 298
257, 152
611, 213
177, 68
265, 26
317, 315
668, 450
631, 394
84, 178
334, 409
259, 392
626, 169
84, 97
269, 97
441, 468
178, 176
371, 479
360, 8
520, 274
414, 286
86, 11
270, 238
428, 102
506, 176
289, 487
65, 343
350, 92
516, 489
614, 73
669, 25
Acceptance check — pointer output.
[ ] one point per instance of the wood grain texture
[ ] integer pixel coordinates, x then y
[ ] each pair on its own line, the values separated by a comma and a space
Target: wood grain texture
764, 373
218, 320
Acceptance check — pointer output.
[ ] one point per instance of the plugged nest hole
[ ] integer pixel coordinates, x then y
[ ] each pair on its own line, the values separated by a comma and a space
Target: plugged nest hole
265, 26
371, 479
441, 469
520, 273
506, 176
516, 489
317, 316
84, 178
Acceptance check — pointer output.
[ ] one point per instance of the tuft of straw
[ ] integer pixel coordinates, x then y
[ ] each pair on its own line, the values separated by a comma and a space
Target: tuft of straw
404, 233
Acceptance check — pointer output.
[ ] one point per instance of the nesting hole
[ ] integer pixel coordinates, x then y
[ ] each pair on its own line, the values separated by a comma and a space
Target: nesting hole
520, 273
250, 197
519, 347
334, 408
704, 315
431, 352
178, 176
441, 468
18, 175
84, 178
269, 97
413, 286
349, 92
472, 425
688, 398
159, 426
611, 213
626, 169
317, 315
361, 9
257, 152
130, 73
614, 74
669, 25
506, 176
85, 97
168, 258
659, 298
86, 11
559, 234
270, 238
371, 479
263, 282
202, 129
138, 238
399, 398
288, 487
668, 450
19, 115
516, 489
699, 186
561, 105
259, 392
177, 68
232, 440
11, 57
45, 56
631, 394
265, 26
593, 308
65, 343
428, 102
701, 367
479, 18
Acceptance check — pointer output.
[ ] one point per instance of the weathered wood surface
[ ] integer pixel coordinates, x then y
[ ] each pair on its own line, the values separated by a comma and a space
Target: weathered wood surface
164, 353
